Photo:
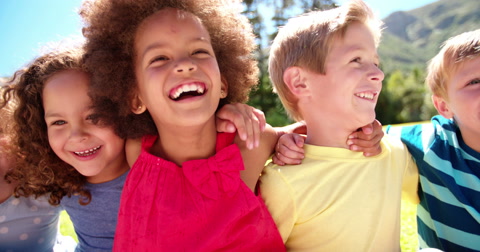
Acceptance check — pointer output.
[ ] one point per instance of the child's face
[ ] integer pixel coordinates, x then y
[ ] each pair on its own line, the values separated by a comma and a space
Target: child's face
96, 152
463, 101
348, 92
178, 76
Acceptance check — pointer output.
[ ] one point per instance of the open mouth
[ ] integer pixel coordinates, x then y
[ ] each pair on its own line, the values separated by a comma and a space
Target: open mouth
187, 91
87, 153
367, 95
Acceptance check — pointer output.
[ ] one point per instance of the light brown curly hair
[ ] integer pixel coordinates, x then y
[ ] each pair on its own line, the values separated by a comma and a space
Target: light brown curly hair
110, 27
7, 107
38, 170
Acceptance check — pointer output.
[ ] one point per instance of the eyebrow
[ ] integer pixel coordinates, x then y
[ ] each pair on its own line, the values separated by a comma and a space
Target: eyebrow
55, 114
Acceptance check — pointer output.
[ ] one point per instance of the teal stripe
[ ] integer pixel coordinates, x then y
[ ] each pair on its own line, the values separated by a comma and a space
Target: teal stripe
445, 166
445, 195
454, 235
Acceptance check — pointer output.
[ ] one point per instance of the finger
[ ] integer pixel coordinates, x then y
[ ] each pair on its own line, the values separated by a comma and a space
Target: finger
290, 152
286, 160
225, 126
367, 129
369, 152
250, 125
261, 118
277, 161
360, 144
299, 140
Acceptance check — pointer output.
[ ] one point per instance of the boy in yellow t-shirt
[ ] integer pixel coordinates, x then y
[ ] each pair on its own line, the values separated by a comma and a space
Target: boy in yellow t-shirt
324, 67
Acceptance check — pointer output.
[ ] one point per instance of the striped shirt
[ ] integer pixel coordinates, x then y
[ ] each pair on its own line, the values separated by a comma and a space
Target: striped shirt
448, 216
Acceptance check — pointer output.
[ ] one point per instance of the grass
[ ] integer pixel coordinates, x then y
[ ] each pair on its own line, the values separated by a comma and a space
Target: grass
408, 236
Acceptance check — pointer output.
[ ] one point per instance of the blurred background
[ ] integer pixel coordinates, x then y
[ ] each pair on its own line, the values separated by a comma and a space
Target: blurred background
414, 31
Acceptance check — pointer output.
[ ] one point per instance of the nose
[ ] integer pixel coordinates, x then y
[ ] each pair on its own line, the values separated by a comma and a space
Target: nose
376, 74
78, 134
185, 65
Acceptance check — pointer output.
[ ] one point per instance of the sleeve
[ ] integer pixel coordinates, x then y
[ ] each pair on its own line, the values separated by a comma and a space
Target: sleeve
410, 181
279, 198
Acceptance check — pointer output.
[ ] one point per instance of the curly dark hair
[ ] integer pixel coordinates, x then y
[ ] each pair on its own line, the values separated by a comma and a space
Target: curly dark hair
38, 170
110, 27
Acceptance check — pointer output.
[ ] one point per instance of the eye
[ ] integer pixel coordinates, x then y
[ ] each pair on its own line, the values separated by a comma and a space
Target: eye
94, 118
201, 51
356, 60
58, 122
158, 58
474, 81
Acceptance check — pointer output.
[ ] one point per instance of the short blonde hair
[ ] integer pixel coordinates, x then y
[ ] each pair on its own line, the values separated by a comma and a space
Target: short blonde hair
455, 51
305, 41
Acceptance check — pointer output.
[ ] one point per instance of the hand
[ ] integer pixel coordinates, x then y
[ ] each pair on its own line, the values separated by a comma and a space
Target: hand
367, 139
289, 149
248, 121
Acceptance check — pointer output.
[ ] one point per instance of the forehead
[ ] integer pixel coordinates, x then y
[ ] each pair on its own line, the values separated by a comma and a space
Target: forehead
170, 21
357, 36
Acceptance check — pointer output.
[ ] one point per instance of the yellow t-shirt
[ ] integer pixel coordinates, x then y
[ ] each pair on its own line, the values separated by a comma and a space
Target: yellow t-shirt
339, 200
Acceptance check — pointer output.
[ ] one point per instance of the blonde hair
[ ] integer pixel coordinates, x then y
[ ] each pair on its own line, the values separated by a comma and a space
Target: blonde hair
305, 41
455, 51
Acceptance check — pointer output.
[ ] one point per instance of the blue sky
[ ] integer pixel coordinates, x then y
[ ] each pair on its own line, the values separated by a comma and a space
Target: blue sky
28, 25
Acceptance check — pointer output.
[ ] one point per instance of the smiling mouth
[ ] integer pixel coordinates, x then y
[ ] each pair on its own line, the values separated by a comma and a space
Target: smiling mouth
87, 153
187, 91
368, 96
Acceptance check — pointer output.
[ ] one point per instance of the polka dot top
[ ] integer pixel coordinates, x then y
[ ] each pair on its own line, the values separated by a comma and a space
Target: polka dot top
28, 224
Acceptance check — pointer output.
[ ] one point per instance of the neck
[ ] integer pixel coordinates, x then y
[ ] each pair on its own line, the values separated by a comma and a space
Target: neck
329, 133
180, 144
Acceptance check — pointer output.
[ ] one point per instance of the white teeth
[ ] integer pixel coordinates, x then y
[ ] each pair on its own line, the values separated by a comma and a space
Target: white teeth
87, 152
366, 95
188, 88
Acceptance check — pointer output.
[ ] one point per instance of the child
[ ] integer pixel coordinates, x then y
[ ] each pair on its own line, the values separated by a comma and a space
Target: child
26, 223
188, 189
447, 151
325, 65
79, 157
68, 152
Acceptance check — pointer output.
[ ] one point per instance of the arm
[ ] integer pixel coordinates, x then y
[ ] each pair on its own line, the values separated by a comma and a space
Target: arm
289, 149
254, 160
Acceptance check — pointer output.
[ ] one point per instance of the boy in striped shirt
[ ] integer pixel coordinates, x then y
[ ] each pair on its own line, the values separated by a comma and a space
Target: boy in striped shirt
447, 150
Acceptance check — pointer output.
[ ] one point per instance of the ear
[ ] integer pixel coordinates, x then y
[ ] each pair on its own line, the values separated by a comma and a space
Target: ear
137, 105
442, 106
224, 88
293, 78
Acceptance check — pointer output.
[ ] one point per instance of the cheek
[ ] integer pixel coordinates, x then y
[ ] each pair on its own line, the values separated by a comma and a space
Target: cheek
55, 139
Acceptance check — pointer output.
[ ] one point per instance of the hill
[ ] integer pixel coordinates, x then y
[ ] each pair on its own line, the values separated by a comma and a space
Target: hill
411, 38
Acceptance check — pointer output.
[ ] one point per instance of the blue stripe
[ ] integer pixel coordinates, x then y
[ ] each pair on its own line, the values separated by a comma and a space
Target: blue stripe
432, 234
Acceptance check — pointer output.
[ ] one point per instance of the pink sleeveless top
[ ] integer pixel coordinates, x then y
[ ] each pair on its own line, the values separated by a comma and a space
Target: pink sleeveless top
202, 206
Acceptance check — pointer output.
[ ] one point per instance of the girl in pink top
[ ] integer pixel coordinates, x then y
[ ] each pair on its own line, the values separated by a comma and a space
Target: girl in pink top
188, 189
175, 63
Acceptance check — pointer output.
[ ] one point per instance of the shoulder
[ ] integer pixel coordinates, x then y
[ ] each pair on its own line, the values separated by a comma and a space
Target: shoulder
133, 148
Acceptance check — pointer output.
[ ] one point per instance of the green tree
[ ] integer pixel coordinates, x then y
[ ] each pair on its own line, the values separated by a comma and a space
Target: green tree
263, 97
